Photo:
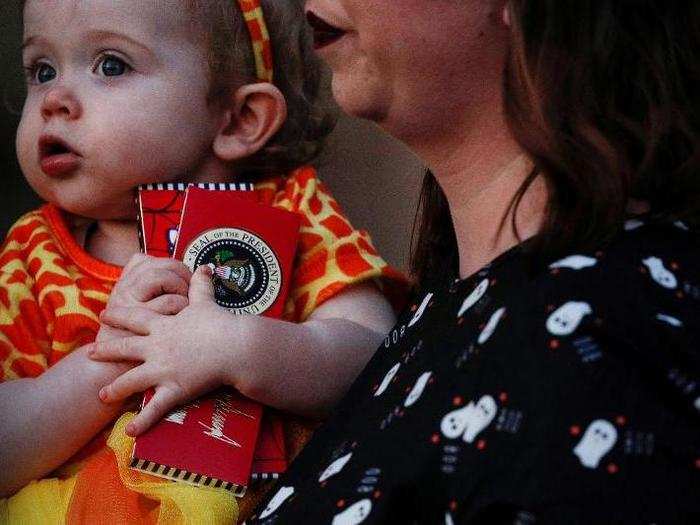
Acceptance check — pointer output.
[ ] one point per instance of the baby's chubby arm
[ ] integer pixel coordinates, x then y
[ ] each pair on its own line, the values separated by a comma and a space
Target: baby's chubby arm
304, 368
307, 368
45, 420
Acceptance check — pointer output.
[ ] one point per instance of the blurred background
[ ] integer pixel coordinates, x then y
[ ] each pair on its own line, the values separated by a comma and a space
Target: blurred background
375, 179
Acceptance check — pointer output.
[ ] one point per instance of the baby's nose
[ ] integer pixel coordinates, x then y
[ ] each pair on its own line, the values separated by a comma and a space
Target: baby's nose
60, 101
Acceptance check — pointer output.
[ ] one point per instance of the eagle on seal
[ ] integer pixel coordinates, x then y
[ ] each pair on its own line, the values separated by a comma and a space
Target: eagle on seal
236, 275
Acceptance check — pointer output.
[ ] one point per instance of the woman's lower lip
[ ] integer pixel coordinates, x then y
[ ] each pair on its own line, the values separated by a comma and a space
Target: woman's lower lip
60, 165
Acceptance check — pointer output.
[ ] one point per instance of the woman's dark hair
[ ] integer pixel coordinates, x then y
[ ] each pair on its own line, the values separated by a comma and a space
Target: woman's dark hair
603, 96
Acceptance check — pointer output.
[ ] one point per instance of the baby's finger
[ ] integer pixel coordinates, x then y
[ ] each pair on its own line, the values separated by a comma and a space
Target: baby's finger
140, 263
173, 265
122, 349
162, 402
108, 332
201, 290
169, 304
135, 261
158, 281
132, 382
136, 319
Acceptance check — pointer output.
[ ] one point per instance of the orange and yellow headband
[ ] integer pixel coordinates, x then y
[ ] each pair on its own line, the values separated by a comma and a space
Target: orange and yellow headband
259, 38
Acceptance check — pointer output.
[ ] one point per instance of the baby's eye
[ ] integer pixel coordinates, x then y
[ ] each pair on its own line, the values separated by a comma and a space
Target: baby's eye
41, 73
112, 66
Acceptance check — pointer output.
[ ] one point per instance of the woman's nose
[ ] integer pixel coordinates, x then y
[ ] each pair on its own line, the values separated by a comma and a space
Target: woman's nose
60, 102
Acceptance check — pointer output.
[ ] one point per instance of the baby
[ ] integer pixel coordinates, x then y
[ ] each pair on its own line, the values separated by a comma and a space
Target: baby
123, 93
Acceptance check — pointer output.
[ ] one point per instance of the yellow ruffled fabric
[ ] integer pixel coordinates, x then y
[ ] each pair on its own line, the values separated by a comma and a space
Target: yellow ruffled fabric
42, 502
52, 501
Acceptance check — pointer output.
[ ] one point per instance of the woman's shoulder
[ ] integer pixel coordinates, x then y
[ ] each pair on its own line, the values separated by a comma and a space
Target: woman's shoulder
655, 262
634, 304
646, 267
664, 252
646, 264
638, 295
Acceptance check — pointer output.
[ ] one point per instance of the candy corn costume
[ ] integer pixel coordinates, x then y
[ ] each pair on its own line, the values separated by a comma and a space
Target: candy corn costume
51, 293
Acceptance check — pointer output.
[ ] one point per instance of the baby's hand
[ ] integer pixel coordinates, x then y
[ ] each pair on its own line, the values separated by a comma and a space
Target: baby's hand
158, 284
181, 355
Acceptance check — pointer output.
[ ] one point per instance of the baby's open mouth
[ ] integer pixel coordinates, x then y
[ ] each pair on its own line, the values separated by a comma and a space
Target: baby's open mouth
56, 157
50, 147
324, 33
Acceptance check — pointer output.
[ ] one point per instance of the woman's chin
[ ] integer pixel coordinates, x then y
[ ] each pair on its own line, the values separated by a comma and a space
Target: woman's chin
360, 98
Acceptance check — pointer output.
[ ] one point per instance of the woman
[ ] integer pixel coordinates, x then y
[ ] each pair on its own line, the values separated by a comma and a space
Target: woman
556, 379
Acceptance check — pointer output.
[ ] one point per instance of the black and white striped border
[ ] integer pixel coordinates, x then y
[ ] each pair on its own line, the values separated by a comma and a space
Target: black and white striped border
176, 474
264, 476
226, 186
171, 186
213, 186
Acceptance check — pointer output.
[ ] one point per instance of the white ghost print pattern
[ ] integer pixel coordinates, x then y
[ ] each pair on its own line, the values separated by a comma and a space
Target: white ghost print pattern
354, 514
567, 318
474, 297
335, 467
575, 262
421, 310
586, 357
469, 421
599, 439
633, 224
282, 495
417, 390
387, 380
491, 326
660, 273
668, 319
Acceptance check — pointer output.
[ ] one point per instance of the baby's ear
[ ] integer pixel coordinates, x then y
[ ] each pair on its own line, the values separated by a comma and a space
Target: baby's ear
253, 115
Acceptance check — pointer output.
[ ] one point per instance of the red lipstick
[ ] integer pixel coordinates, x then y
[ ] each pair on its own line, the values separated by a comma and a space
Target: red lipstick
324, 33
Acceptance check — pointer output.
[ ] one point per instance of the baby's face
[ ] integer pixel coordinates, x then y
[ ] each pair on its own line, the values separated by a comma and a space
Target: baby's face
117, 97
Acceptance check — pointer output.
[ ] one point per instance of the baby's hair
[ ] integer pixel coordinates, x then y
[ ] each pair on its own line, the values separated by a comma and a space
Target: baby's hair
297, 73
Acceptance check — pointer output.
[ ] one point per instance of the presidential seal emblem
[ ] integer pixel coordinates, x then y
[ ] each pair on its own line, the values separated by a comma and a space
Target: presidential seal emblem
247, 276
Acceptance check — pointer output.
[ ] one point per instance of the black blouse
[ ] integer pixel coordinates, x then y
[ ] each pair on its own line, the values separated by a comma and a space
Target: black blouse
567, 396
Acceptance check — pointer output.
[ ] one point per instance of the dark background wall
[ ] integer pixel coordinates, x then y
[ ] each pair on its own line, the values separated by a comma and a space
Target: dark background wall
375, 179
15, 196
